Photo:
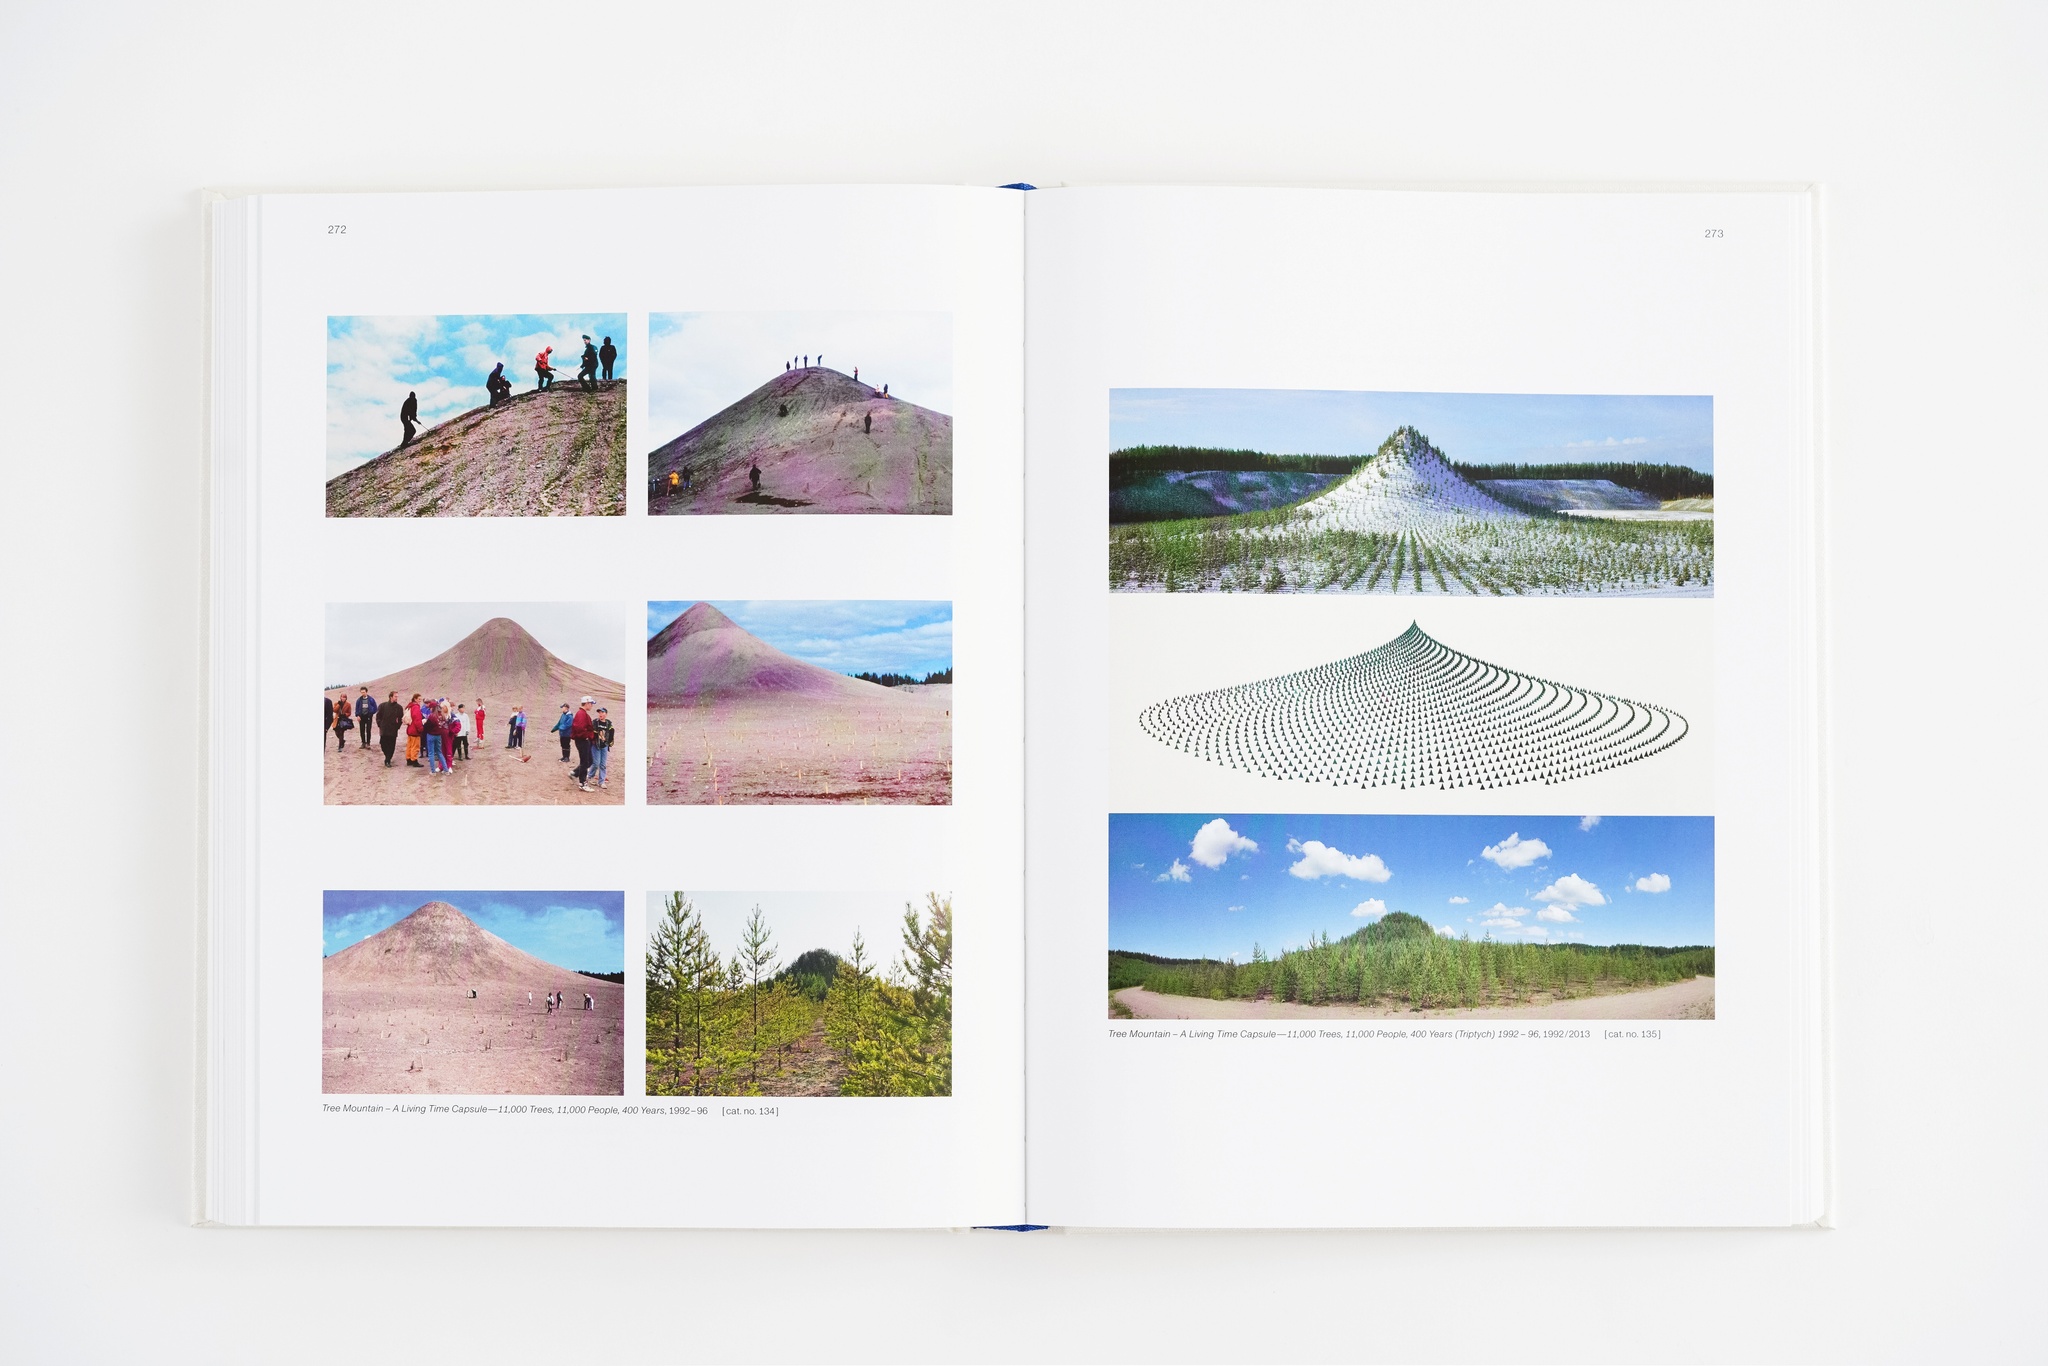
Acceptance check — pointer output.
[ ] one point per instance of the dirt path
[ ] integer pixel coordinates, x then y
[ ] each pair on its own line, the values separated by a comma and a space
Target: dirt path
1689, 1000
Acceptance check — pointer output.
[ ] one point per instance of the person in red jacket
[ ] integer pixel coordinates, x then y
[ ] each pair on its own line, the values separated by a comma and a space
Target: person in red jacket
479, 715
414, 716
579, 732
543, 368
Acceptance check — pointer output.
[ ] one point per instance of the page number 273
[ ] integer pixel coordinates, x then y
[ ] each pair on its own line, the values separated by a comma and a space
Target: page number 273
1711, 232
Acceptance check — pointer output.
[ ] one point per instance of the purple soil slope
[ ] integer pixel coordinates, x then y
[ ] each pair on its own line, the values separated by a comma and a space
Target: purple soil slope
500, 660
824, 442
437, 944
557, 452
703, 657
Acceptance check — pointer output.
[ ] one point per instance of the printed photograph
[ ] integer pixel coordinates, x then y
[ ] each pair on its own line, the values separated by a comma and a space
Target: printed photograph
1264, 917
845, 413
788, 701
799, 994
486, 415
475, 703
1327, 491
473, 993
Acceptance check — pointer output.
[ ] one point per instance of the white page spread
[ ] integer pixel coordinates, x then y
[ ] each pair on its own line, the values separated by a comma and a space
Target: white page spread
1428, 716
560, 457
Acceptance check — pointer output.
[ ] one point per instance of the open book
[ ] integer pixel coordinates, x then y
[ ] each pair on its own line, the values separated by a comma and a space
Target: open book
948, 707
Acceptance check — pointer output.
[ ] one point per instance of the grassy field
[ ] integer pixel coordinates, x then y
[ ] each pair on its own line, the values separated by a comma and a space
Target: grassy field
1400, 960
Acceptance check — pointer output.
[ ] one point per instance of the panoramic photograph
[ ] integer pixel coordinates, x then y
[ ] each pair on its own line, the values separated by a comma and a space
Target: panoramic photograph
477, 415
799, 994
792, 701
473, 993
843, 413
1265, 917
475, 703
1329, 491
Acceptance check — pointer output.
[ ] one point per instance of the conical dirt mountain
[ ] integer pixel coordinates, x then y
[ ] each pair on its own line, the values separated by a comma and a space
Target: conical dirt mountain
824, 442
500, 660
1406, 486
703, 656
554, 452
1413, 713
438, 945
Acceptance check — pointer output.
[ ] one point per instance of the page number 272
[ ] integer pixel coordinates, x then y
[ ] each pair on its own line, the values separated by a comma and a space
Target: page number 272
1711, 232
337, 229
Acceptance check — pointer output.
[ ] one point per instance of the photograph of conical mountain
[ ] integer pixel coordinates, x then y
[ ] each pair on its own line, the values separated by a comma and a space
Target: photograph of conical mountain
473, 993
843, 413
799, 994
1331, 491
791, 702
514, 415
476, 703
1307, 917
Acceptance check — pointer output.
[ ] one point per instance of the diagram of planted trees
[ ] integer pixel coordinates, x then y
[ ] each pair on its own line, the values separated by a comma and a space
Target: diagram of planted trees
1301, 491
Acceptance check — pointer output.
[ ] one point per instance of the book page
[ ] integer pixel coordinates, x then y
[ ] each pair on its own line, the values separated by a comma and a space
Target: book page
1420, 626
658, 557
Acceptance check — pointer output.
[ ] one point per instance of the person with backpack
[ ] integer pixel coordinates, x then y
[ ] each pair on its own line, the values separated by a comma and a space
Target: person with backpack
603, 735
606, 354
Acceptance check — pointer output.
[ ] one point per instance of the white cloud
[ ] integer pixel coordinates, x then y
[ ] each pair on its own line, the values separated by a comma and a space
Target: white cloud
1233, 908
1320, 860
1370, 908
1502, 916
1216, 842
1610, 441
1588, 822
1447, 932
1515, 852
1571, 892
1497, 923
1655, 882
1555, 914
1175, 872
1459, 901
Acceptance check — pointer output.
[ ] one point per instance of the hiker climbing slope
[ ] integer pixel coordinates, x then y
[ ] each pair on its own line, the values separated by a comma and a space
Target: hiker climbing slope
586, 372
409, 414
606, 354
543, 368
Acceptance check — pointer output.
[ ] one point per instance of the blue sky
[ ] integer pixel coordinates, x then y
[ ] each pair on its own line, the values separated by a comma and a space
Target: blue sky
581, 931
373, 362
703, 362
1470, 428
1210, 886
846, 636
799, 921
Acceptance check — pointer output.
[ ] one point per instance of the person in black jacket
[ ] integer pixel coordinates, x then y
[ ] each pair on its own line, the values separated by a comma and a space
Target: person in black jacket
409, 414
586, 371
390, 720
327, 722
606, 354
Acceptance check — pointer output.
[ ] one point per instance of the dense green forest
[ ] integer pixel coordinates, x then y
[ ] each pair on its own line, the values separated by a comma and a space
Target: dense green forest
1136, 460
893, 680
1659, 481
1400, 960
823, 1025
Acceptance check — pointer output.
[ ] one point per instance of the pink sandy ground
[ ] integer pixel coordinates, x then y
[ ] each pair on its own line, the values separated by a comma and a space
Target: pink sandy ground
412, 1038
784, 748
1689, 1000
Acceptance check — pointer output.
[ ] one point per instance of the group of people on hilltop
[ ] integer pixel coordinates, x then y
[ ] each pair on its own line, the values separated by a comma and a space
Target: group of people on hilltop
437, 733
804, 363
594, 364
